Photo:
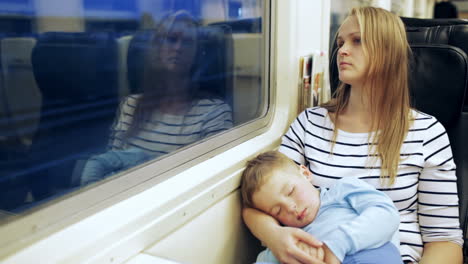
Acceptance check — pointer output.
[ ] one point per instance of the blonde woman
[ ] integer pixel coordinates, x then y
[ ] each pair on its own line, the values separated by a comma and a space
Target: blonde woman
369, 131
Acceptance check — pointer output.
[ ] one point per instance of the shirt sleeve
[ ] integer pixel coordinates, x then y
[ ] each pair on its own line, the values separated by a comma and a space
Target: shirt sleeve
266, 257
102, 165
437, 189
376, 223
219, 119
293, 142
122, 122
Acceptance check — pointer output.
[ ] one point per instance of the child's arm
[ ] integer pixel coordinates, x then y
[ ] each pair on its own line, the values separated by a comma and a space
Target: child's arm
100, 166
376, 224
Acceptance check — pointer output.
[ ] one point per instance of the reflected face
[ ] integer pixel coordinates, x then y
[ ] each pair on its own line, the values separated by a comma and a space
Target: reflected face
179, 47
289, 197
351, 62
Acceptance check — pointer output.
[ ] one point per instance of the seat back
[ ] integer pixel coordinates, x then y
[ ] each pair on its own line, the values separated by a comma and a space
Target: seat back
438, 83
77, 76
451, 33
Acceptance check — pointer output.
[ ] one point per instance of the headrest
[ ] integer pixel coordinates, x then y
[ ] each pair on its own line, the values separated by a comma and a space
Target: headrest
75, 66
137, 49
453, 32
246, 25
438, 80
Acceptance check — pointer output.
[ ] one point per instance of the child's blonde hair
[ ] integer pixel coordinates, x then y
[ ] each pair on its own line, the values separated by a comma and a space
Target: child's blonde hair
259, 169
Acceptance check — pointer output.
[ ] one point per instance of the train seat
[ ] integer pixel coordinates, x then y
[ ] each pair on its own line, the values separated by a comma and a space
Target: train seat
123, 43
77, 76
438, 83
19, 114
214, 70
247, 40
18, 79
451, 33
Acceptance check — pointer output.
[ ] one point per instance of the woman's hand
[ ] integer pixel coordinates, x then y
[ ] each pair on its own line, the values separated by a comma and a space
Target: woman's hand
292, 245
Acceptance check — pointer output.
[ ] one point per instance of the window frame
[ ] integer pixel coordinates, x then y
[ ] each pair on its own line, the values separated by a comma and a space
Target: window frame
43, 220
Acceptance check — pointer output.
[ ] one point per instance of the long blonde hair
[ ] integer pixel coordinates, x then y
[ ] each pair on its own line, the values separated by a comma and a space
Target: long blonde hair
386, 48
153, 76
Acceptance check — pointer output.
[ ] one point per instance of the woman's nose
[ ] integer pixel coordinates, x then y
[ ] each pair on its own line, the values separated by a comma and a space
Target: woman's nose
343, 51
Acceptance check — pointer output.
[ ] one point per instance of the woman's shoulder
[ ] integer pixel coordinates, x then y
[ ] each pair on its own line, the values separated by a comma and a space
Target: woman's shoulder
130, 100
425, 126
210, 102
315, 111
422, 120
313, 114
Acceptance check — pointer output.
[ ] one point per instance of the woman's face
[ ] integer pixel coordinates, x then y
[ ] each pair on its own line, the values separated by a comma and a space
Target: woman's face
178, 49
352, 64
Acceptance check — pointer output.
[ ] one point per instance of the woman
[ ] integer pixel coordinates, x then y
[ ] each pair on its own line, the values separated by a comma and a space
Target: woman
171, 112
369, 130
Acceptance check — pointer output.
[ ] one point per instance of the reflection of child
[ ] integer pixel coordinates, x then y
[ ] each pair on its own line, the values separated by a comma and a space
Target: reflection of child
344, 217
100, 166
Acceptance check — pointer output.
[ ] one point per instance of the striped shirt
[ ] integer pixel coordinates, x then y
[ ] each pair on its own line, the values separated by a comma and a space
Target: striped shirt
163, 133
425, 190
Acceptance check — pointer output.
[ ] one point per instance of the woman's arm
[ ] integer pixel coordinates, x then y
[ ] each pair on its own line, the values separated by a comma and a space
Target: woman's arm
123, 120
442, 252
438, 200
282, 241
217, 119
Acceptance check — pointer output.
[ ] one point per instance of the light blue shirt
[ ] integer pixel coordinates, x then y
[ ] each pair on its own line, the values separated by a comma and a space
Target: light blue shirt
112, 161
353, 216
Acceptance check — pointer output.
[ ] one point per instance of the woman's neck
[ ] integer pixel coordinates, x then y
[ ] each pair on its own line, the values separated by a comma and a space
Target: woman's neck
356, 116
174, 82
358, 103
177, 99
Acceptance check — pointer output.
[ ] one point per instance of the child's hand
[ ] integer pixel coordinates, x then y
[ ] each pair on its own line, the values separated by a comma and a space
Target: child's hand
330, 258
318, 252
284, 245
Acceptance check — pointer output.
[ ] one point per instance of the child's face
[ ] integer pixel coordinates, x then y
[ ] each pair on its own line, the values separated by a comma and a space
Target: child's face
289, 197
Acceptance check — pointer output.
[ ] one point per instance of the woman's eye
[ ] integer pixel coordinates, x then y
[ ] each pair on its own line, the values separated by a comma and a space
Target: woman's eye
357, 40
339, 44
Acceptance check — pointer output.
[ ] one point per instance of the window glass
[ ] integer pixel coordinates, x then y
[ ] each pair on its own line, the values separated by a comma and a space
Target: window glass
92, 88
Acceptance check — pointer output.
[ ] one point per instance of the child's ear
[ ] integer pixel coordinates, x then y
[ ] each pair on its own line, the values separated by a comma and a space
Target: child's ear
306, 172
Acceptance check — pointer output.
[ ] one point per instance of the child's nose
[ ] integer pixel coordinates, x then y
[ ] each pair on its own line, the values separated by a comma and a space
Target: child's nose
292, 208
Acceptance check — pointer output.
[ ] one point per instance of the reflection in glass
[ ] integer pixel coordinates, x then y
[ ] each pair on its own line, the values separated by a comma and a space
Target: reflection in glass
171, 112
89, 88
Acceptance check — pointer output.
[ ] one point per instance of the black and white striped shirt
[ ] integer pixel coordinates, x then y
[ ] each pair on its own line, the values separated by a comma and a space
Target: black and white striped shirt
425, 190
164, 133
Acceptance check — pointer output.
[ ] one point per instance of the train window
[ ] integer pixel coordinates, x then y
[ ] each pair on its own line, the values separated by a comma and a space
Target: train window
92, 91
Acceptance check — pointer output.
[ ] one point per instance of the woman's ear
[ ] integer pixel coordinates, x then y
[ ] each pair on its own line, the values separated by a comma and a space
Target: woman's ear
306, 172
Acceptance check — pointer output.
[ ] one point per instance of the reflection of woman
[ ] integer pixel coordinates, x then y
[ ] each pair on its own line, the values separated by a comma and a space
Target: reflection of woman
171, 112
369, 131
